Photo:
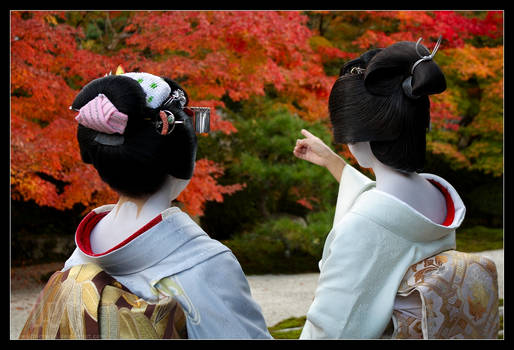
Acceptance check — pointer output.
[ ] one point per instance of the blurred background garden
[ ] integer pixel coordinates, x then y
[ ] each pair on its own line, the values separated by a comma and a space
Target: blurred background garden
266, 75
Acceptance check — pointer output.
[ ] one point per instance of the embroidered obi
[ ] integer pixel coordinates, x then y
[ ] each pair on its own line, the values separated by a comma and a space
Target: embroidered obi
458, 296
85, 302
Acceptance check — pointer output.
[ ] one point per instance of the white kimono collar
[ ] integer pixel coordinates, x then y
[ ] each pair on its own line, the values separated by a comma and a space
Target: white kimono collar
400, 218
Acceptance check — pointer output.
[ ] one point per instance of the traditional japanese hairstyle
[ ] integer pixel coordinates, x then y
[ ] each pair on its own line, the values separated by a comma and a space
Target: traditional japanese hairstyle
134, 130
381, 97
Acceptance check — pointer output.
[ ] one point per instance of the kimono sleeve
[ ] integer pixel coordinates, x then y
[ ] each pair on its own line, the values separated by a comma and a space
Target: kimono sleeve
351, 185
221, 296
356, 289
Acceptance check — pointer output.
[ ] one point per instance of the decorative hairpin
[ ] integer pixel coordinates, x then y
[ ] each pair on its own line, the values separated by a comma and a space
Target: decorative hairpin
428, 57
167, 123
407, 83
119, 71
200, 117
176, 95
357, 70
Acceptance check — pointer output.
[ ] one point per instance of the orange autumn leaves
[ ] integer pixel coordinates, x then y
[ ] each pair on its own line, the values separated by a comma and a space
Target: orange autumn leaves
237, 54
212, 54
230, 55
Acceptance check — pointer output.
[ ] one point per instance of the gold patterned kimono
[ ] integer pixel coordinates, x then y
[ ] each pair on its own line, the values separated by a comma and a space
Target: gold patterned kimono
458, 293
85, 302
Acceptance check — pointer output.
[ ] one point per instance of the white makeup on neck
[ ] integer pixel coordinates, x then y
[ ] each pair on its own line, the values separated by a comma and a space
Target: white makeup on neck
130, 214
362, 152
409, 187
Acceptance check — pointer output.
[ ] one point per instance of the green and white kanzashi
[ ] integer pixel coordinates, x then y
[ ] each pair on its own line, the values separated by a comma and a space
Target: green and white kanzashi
156, 89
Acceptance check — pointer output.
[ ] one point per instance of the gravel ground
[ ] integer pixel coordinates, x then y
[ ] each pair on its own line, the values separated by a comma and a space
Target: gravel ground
280, 296
284, 296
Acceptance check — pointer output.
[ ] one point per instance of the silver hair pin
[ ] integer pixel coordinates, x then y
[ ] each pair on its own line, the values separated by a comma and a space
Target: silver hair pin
201, 119
425, 58
176, 95
167, 125
357, 70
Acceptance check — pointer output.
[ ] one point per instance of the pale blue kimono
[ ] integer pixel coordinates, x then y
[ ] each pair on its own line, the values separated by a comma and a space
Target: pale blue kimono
176, 255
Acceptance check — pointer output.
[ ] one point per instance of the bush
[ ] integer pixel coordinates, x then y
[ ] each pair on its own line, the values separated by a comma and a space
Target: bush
260, 155
288, 244
479, 238
284, 244
42, 234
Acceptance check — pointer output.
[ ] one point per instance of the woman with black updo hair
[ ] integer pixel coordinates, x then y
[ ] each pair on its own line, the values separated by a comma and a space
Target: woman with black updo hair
143, 268
379, 106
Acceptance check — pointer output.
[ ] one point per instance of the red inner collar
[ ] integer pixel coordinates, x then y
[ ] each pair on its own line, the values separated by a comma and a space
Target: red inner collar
89, 222
450, 207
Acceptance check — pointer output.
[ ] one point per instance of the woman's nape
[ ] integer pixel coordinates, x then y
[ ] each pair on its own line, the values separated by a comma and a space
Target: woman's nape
132, 213
409, 187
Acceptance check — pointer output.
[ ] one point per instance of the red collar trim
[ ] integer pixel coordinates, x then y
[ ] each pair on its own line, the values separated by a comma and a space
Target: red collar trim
450, 207
87, 224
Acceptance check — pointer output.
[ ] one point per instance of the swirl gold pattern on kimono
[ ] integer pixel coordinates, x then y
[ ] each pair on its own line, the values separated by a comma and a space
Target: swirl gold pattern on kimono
459, 295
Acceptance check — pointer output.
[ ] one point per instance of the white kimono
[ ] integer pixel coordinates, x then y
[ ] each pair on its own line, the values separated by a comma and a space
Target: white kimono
374, 240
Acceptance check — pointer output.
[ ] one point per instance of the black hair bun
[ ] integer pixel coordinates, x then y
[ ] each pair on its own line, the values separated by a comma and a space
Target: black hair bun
360, 62
376, 99
428, 79
139, 164
124, 92
389, 67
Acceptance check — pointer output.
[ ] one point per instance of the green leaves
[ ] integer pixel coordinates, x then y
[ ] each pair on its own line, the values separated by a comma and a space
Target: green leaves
260, 155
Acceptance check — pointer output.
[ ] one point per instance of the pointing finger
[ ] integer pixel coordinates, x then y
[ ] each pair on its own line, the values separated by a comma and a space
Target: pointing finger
306, 133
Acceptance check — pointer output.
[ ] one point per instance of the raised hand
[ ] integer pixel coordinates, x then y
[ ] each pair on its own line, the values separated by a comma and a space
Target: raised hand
314, 150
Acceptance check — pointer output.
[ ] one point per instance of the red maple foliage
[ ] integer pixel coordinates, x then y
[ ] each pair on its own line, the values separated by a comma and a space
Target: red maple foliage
220, 55
237, 54
45, 162
212, 54
454, 26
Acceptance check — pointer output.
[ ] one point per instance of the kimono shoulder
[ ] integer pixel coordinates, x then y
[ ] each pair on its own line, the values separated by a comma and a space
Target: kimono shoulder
351, 185
219, 301
363, 263
177, 258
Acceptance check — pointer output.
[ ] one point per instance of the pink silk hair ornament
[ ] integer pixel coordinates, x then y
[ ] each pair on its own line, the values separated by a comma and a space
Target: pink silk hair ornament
101, 115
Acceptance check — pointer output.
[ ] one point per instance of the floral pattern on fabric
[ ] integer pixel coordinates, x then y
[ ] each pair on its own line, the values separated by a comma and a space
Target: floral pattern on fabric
459, 297
170, 287
84, 302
